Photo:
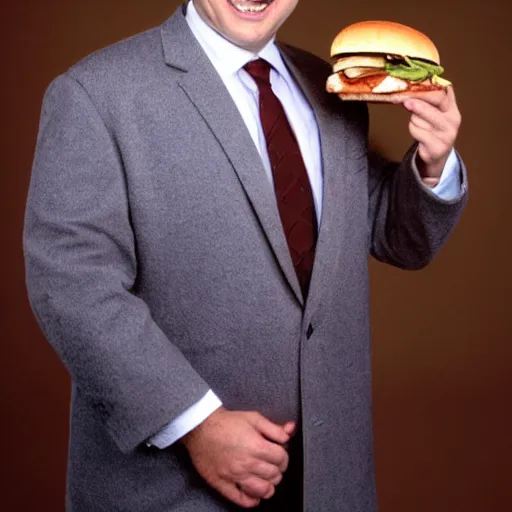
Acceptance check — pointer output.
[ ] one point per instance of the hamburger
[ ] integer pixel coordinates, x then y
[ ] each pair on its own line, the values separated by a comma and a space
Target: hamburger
382, 61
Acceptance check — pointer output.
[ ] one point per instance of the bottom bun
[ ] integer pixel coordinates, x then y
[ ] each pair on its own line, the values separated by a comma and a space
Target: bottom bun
394, 97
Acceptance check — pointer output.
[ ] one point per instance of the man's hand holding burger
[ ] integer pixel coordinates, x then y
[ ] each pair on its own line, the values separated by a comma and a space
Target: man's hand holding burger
387, 62
434, 124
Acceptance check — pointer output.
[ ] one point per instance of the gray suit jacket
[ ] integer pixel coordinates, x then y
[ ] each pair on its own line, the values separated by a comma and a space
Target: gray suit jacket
157, 268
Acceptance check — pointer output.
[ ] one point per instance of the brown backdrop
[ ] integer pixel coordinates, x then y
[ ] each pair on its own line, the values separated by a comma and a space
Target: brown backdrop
442, 336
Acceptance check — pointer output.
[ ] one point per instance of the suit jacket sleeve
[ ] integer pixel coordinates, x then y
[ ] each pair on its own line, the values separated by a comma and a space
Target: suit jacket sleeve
408, 222
81, 270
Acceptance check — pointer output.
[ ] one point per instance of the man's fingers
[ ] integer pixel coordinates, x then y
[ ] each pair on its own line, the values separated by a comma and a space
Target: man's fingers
267, 471
275, 454
427, 113
256, 487
439, 99
420, 134
270, 430
242, 448
270, 493
277, 479
434, 145
236, 494
420, 123
290, 427
429, 149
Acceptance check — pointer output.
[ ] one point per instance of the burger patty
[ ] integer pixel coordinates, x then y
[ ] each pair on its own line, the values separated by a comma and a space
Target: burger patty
365, 83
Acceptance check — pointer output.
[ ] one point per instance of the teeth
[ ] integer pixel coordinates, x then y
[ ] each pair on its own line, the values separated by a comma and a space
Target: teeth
252, 7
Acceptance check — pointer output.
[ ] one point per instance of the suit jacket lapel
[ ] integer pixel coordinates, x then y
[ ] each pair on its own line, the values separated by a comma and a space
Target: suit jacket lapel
332, 142
205, 89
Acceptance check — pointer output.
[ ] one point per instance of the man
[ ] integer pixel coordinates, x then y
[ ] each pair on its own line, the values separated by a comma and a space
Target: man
214, 366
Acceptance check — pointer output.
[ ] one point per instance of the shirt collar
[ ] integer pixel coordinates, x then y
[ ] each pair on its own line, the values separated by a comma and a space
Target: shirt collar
226, 57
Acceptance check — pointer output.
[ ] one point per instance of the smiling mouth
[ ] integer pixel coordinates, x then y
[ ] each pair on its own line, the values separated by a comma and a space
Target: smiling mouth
250, 6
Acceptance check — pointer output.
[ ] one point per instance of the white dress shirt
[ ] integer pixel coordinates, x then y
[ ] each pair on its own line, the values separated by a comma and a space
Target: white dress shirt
229, 60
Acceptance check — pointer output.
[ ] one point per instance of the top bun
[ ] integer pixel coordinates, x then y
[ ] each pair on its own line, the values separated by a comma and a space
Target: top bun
384, 37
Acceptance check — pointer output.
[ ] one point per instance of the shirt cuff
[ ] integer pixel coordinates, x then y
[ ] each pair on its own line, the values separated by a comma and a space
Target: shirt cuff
186, 421
449, 186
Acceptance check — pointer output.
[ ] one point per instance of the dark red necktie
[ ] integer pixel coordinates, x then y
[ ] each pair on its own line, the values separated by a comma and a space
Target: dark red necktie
291, 183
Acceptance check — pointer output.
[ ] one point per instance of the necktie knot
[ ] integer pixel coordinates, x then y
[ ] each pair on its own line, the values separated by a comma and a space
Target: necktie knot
259, 70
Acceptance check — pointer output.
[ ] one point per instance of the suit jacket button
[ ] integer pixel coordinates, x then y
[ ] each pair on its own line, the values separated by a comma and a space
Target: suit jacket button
309, 332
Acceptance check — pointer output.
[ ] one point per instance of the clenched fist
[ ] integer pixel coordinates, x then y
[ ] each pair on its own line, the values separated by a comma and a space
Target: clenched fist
240, 454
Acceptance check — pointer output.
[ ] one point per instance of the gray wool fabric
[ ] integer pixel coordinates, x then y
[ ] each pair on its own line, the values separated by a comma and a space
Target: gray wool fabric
158, 269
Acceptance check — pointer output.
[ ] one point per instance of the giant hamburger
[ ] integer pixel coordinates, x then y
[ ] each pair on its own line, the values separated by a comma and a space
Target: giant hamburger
382, 61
